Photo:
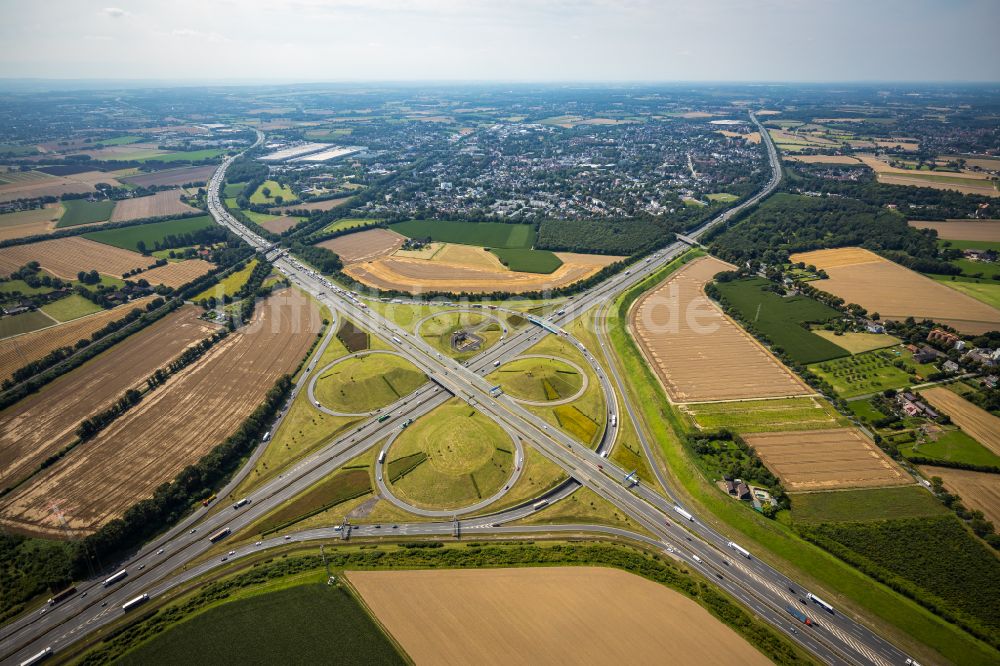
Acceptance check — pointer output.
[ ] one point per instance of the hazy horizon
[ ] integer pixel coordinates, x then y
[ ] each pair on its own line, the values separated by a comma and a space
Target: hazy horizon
476, 41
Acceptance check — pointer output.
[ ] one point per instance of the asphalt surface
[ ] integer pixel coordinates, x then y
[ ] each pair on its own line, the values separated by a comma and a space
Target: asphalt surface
178, 556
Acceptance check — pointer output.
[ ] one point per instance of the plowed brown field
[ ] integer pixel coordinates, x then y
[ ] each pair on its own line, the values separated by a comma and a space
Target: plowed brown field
700, 354
55, 186
826, 459
440, 274
863, 277
975, 421
365, 245
550, 615
982, 230
65, 257
43, 423
18, 351
172, 427
160, 204
177, 273
978, 490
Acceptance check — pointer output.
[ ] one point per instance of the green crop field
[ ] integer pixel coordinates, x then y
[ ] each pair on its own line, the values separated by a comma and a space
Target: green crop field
258, 218
305, 624
229, 285
70, 307
276, 189
765, 415
129, 237
469, 457
528, 261
81, 211
870, 372
982, 290
120, 140
537, 379
952, 446
23, 323
483, 234
722, 197
865, 505
937, 559
349, 223
865, 410
368, 382
781, 319
183, 156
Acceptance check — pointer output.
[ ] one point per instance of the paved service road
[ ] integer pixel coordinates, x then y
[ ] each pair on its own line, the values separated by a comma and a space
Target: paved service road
166, 562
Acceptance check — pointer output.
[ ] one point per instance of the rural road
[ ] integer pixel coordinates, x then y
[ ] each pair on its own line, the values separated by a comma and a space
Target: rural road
767, 593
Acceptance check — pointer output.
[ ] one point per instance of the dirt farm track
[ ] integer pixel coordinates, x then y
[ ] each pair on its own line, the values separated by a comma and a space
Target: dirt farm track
548, 615
172, 427
826, 460
699, 353
863, 277
41, 424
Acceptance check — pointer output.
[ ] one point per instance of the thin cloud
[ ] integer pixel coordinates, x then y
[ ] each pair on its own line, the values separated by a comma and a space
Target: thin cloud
116, 12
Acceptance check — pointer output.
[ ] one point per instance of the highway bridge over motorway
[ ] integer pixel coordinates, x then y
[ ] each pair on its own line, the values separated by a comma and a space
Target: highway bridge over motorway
177, 557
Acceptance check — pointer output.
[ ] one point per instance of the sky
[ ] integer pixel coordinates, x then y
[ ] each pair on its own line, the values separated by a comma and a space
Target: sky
506, 40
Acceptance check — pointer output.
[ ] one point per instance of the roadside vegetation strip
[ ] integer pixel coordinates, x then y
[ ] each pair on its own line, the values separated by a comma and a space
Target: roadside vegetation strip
920, 628
204, 595
228, 286
335, 489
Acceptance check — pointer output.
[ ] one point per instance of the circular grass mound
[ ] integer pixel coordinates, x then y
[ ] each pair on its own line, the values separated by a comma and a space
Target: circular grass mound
450, 458
538, 379
439, 332
364, 383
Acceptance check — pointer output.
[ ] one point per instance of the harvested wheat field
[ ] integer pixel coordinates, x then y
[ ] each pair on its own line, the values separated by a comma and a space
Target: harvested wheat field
974, 230
979, 490
822, 159
472, 273
546, 615
54, 186
172, 177
172, 427
863, 277
700, 354
43, 423
65, 257
177, 273
18, 351
826, 459
750, 137
364, 245
29, 222
974, 420
966, 182
161, 204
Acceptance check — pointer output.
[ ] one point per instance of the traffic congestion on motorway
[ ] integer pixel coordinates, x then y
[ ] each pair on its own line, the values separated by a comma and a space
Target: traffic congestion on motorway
166, 563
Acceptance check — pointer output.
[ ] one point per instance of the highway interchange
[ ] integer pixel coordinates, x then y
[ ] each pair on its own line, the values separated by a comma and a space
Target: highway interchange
179, 555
